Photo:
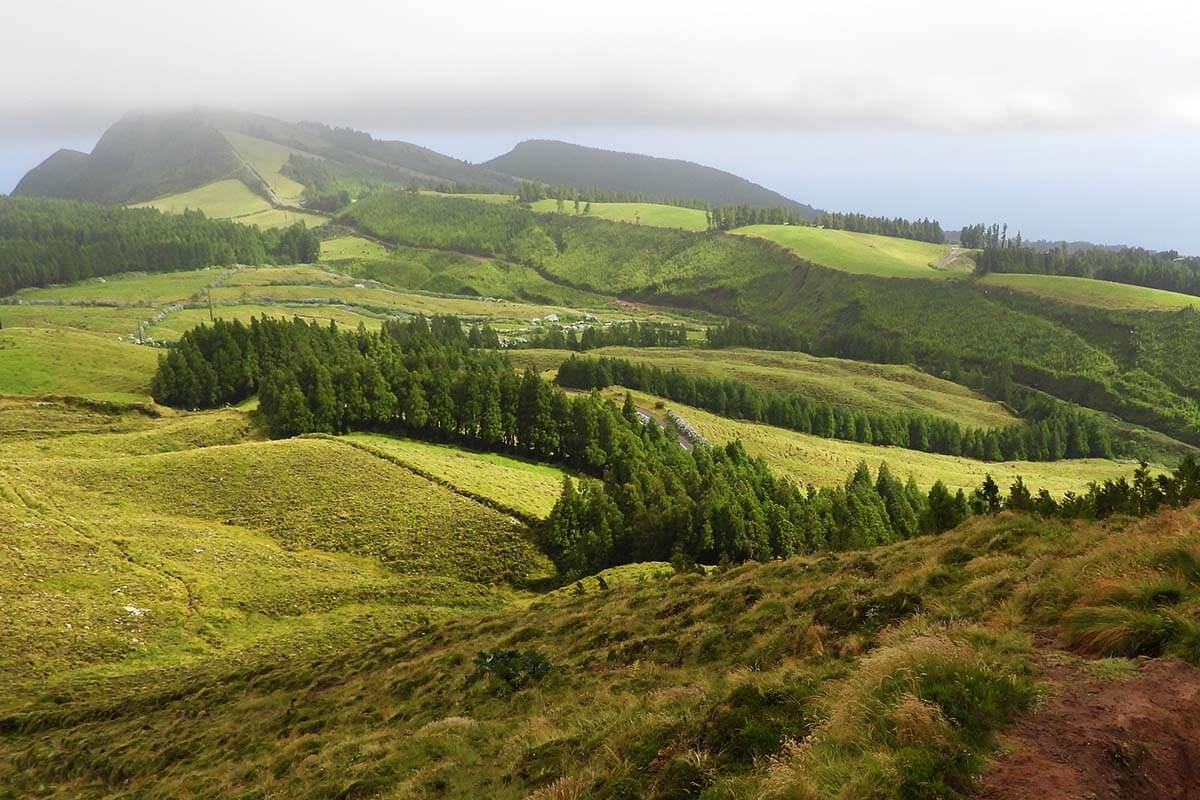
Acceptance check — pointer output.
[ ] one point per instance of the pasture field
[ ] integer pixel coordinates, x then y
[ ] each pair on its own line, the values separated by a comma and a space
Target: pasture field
351, 248
654, 214
139, 543
859, 384
63, 361
132, 288
266, 158
527, 487
827, 462
232, 199
864, 253
223, 199
121, 321
306, 291
1091, 292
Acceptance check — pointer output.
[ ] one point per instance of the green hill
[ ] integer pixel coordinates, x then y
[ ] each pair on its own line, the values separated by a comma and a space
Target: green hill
885, 673
561, 163
149, 542
1124, 362
140, 157
1091, 292
865, 253
147, 156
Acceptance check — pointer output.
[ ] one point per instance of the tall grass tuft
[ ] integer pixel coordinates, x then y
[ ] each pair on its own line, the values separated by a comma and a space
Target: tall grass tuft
1116, 630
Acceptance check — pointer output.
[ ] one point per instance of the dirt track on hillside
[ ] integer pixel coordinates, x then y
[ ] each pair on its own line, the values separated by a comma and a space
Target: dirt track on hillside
1134, 738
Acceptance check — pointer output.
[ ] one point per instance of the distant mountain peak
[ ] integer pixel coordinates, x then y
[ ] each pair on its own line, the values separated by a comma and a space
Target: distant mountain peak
556, 162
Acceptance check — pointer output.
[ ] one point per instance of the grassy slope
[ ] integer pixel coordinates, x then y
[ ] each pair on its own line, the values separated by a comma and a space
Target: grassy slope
883, 387
142, 543
1089, 292
140, 288
225, 199
351, 248
886, 668
654, 214
59, 361
868, 254
232, 199
825, 462
266, 158
529, 488
304, 291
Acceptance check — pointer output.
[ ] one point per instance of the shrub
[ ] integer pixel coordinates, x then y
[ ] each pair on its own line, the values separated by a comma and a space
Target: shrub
515, 669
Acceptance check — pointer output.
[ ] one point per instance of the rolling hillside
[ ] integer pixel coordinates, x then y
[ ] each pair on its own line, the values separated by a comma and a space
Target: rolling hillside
659, 178
808, 459
161, 541
865, 253
1092, 292
147, 156
870, 387
823, 677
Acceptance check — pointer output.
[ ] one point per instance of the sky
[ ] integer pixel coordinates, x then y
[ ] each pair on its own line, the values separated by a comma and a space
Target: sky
1068, 120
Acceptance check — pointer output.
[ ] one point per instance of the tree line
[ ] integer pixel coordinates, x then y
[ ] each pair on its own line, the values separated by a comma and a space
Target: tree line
1145, 494
1063, 433
649, 499
922, 230
45, 241
735, 333
618, 334
724, 218
1131, 265
532, 191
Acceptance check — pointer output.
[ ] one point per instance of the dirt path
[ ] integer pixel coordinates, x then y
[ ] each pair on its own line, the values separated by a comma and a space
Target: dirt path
1132, 738
946, 260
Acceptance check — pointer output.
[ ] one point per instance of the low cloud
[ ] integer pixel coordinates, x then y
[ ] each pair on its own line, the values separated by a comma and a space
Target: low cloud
944, 66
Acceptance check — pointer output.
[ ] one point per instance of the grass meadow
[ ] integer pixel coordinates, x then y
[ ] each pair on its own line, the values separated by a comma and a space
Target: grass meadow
1090, 292
654, 214
224, 199
266, 158
864, 253
62, 361
140, 543
827, 462
529, 488
859, 384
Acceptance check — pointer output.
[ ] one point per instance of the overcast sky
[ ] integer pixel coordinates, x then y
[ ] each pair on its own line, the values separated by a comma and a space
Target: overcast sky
1067, 119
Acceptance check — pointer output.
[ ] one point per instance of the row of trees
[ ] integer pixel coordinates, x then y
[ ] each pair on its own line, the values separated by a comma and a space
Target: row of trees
1064, 433
650, 499
735, 333
1143, 495
1159, 270
45, 241
619, 334
532, 191
922, 230
723, 218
